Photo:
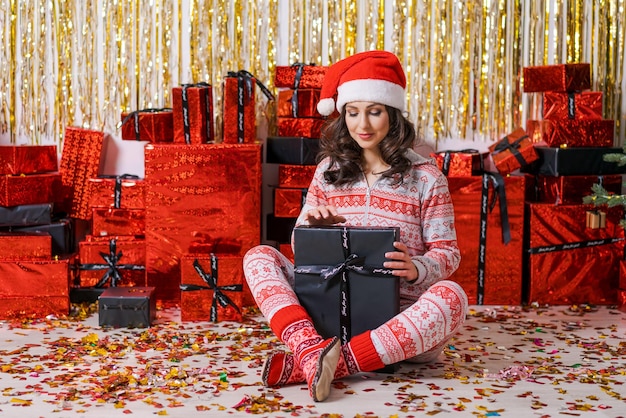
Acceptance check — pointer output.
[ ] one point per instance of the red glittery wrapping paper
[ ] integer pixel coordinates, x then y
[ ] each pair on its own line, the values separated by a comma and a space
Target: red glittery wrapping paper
114, 222
28, 159
462, 163
503, 268
34, 288
29, 189
80, 161
204, 197
622, 275
91, 251
231, 116
557, 77
301, 127
504, 157
131, 193
25, 246
196, 304
312, 76
568, 190
577, 274
307, 103
288, 202
286, 250
154, 126
586, 105
200, 113
572, 133
295, 176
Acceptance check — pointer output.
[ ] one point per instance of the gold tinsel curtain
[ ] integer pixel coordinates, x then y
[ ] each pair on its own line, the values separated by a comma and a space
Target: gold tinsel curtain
83, 62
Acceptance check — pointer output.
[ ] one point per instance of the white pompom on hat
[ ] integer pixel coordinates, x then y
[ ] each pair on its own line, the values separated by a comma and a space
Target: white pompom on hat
372, 76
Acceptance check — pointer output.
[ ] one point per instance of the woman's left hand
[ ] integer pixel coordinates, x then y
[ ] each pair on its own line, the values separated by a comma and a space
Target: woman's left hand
401, 262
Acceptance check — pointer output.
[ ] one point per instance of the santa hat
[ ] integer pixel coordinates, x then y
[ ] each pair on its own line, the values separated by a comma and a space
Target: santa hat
372, 76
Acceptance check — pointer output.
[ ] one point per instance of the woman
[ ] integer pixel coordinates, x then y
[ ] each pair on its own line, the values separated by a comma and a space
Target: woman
368, 175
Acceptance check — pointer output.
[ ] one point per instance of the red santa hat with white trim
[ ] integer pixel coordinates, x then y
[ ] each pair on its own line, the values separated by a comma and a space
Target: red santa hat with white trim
372, 76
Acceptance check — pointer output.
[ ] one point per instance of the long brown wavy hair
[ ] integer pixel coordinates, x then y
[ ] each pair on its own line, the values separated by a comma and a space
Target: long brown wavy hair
346, 156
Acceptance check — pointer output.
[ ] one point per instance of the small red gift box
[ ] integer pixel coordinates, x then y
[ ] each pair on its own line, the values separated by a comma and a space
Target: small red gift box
152, 125
288, 202
34, 288
295, 176
114, 222
192, 110
572, 105
514, 151
300, 76
125, 191
462, 163
25, 246
298, 103
300, 127
28, 159
211, 288
568, 190
239, 109
112, 262
558, 77
572, 133
29, 189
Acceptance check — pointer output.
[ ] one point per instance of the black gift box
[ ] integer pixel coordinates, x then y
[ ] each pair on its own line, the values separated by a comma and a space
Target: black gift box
130, 307
345, 305
61, 232
292, 150
24, 215
555, 161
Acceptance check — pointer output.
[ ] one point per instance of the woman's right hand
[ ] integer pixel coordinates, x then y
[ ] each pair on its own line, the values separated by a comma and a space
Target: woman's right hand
324, 215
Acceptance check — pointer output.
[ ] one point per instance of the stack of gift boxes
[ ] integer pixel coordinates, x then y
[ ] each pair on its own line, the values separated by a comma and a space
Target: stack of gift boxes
295, 148
572, 250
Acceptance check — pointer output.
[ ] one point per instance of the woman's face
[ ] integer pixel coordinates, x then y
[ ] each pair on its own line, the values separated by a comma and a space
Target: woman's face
367, 122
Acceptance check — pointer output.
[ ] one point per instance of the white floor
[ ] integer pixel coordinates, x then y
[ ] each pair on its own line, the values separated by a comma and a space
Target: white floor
543, 362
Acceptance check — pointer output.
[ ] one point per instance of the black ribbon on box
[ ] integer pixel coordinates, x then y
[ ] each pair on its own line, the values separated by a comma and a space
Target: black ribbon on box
117, 191
208, 111
447, 157
571, 105
573, 245
296, 86
245, 84
486, 207
135, 116
514, 146
218, 291
111, 266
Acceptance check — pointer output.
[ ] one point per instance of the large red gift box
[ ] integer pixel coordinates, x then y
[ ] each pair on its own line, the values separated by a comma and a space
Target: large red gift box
35, 288
295, 176
211, 287
300, 127
461, 163
124, 191
114, 222
572, 133
570, 190
28, 159
302, 76
557, 77
569, 263
573, 105
25, 246
496, 277
29, 189
298, 103
288, 202
192, 109
514, 151
152, 125
115, 261
199, 195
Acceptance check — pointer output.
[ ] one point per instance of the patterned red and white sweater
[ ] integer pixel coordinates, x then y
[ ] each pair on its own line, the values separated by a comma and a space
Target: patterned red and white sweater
421, 206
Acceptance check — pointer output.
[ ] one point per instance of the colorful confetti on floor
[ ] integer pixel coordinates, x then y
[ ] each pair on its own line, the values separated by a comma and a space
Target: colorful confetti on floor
507, 361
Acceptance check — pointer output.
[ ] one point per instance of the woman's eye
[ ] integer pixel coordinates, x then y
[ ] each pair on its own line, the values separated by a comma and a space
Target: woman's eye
375, 112
351, 114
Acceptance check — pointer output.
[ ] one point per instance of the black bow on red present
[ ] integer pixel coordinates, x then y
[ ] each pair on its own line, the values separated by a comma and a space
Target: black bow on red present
111, 266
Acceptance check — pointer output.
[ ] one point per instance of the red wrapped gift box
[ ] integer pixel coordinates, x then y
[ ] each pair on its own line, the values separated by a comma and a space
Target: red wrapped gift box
461, 163
302, 76
199, 196
288, 202
114, 222
192, 109
80, 161
112, 262
305, 103
622, 275
568, 190
34, 288
568, 262
125, 191
499, 280
295, 176
301, 127
25, 246
573, 105
152, 125
239, 109
211, 288
287, 251
572, 133
29, 189
558, 77
512, 152
28, 159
